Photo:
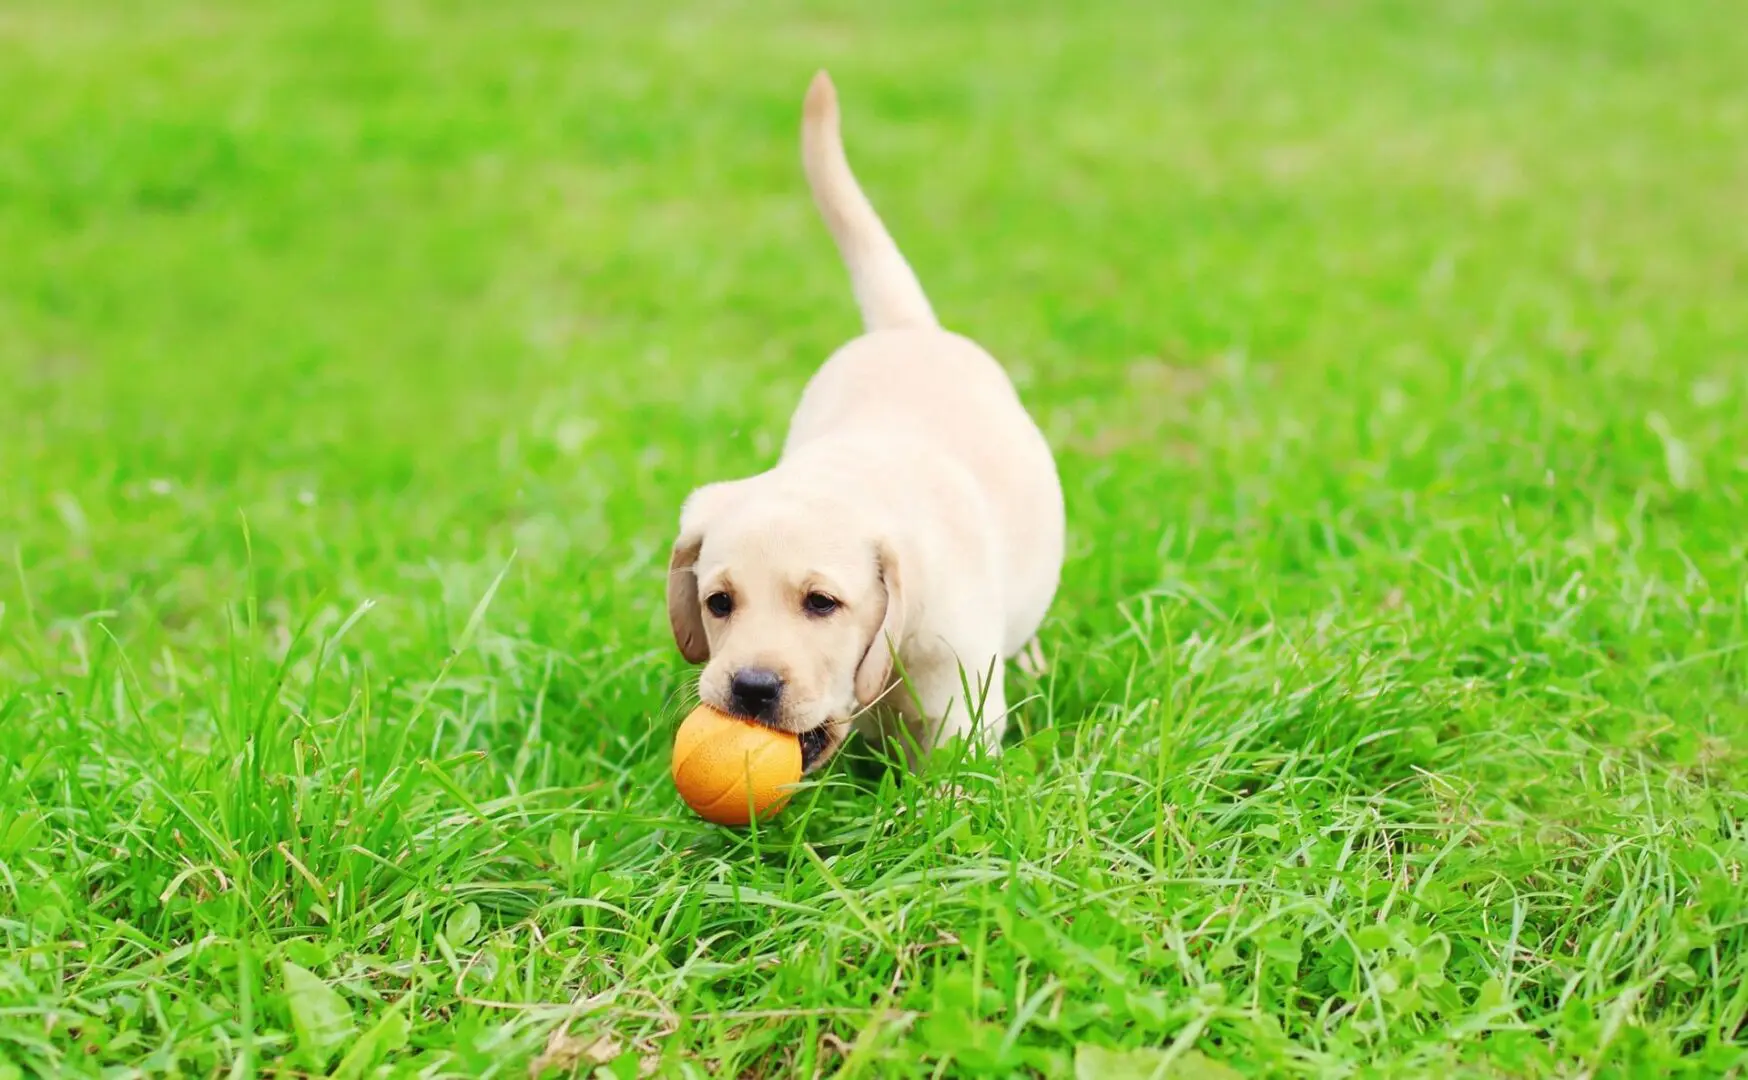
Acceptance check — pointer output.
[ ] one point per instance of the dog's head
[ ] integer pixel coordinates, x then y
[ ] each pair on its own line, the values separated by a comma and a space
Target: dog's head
793, 603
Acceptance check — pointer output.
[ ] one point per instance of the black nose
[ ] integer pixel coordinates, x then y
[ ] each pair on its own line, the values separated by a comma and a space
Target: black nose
755, 691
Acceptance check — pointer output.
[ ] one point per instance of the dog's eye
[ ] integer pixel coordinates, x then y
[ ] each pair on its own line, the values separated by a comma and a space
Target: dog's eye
720, 604
819, 604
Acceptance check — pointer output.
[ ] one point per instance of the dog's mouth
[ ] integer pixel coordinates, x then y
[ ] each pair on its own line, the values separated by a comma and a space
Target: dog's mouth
818, 744
815, 744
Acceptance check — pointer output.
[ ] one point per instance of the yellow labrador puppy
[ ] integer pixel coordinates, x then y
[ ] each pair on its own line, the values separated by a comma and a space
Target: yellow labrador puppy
915, 513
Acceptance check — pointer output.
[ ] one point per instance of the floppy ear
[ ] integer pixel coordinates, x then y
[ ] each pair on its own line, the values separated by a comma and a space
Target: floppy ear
684, 615
874, 673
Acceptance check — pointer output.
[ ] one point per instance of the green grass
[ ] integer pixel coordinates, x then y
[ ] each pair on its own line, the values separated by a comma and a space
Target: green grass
353, 363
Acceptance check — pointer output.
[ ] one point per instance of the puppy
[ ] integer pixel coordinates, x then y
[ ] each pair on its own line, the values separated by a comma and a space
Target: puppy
915, 514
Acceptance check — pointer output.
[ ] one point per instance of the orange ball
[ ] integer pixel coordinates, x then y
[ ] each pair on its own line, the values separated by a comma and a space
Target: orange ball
725, 767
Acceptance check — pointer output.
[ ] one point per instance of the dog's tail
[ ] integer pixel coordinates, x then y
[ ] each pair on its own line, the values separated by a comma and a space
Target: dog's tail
886, 288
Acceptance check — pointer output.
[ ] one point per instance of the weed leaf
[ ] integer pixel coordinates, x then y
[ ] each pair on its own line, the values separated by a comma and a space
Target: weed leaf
319, 1015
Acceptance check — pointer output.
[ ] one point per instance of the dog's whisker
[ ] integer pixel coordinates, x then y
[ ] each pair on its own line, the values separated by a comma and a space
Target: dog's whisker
863, 711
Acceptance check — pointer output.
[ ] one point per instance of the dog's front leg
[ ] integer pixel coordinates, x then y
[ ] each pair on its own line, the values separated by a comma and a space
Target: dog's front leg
957, 698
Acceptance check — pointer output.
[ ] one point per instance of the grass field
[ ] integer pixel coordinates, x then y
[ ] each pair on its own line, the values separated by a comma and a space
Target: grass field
354, 360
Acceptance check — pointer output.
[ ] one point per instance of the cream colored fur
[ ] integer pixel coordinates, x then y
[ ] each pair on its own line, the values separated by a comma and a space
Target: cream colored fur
913, 489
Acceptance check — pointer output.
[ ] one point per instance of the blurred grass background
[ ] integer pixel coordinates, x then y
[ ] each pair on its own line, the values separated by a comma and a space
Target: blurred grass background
1394, 357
